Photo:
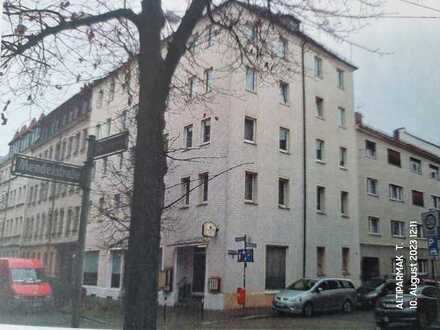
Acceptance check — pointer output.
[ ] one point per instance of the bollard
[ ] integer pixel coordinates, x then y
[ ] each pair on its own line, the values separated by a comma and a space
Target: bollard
165, 312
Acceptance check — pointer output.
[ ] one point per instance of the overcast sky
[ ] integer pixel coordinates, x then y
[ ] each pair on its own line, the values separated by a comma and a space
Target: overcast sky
397, 90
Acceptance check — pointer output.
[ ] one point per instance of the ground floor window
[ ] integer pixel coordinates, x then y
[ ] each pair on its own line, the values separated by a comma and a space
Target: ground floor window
275, 267
422, 265
116, 257
91, 268
320, 258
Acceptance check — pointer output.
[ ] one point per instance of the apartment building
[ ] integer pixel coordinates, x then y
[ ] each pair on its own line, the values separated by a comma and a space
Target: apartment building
39, 219
398, 180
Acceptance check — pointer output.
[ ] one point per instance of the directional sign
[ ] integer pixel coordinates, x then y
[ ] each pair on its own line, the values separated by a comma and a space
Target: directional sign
245, 255
111, 145
240, 238
42, 168
433, 247
251, 245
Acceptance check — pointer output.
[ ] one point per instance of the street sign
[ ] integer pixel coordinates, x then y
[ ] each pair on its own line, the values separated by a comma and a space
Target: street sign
433, 247
240, 238
111, 145
251, 245
245, 255
38, 168
430, 220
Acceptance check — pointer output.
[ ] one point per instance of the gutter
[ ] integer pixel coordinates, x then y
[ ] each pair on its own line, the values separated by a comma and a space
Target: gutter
303, 76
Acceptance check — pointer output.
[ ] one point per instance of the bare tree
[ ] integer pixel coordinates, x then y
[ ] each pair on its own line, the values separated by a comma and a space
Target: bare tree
51, 44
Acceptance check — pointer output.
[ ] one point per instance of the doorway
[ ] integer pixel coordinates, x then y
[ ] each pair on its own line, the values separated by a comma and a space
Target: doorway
370, 268
199, 271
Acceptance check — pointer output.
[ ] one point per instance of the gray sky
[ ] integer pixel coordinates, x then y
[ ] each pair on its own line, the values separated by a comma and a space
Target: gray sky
396, 90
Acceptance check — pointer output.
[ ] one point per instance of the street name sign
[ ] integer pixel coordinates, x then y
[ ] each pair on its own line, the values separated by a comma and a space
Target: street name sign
251, 245
240, 238
433, 247
111, 145
34, 167
245, 255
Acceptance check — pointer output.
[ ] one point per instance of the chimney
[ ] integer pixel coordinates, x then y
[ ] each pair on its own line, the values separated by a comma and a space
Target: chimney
358, 118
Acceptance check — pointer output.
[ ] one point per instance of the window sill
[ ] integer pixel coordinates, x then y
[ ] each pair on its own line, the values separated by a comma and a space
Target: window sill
246, 201
396, 200
204, 144
284, 152
345, 216
188, 149
319, 161
398, 236
375, 234
285, 104
343, 168
184, 207
251, 91
202, 204
271, 292
320, 117
416, 173
373, 195
250, 142
321, 212
283, 207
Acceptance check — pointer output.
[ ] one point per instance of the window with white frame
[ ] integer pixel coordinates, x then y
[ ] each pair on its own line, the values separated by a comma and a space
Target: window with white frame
372, 186
284, 139
204, 185
98, 131
188, 135
415, 165
320, 199
373, 225
319, 103
320, 149
395, 192
100, 99
344, 203
434, 172
90, 275
284, 90
250, 186
250, 129
341, 83
435, 202
342, 157
186, 190
318, 67
206, 130
209, 76
422, 266
251, 79
116, 264
397, 228
283, 192
341, 117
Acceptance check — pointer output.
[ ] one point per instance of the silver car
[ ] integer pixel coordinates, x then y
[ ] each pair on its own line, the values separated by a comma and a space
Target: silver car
308, 296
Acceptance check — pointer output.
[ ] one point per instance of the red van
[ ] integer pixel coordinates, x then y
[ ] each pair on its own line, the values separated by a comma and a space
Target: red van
21, 284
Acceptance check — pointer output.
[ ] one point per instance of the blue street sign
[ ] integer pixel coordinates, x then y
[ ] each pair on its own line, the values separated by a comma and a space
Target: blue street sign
245, 255
433, 247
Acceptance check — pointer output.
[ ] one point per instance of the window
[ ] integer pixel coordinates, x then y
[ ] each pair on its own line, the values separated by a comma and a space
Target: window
372, 186
434, 172
104, 165
344, 203
204, 183
342, 157
84, 140
284, 139
283, 192
206, 130
284, 90
320, 149
422, 266
251, 79
108, 125
188, 134
210, 37
192, 43
435, 202
281, 47
69, 147
373, 225
318, 67
91, 268
341, 83
101, 204
320, 258
415, 165
345, 260
341, 117
394, 158
250, 186
100, 99
116, 269
208, 80
397, 228
249, 129
319, 107
186, 189
192, 86
396, 192
275, 267
124, 120
417, 198
98, 131
77, 143
320, 199
111, 95
370, 149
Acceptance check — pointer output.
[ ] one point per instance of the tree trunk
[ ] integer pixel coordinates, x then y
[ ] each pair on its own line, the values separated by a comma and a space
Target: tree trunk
141, 273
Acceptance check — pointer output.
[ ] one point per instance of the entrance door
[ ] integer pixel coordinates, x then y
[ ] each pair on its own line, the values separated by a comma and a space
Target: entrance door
370, 268
199, 268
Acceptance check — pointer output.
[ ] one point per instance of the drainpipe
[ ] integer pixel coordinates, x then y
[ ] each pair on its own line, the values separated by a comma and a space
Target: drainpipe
304, 157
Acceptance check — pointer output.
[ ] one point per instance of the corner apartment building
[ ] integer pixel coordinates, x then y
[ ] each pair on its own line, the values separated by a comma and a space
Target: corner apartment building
40, 219
398, 180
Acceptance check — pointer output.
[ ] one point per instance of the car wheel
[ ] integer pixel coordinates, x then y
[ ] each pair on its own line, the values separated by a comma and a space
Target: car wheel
347, 307
308, 310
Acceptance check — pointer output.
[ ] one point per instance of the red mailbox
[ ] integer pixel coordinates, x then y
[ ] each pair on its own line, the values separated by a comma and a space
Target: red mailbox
241, 296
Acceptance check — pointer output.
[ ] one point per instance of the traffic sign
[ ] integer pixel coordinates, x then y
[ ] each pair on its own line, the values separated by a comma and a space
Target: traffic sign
38, 168
245, 255
240, 238
251, 245
111, 145
433, 247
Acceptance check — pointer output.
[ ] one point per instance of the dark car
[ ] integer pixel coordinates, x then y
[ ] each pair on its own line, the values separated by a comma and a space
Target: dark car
388, 311
368, 299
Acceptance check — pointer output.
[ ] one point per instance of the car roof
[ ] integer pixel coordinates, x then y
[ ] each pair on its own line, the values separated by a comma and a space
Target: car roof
22, 263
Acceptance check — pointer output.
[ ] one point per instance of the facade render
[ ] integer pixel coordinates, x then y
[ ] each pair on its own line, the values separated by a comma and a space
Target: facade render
398, 180
39, 219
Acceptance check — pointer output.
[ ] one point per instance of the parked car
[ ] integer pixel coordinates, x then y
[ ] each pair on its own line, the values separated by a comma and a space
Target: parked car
309, 296
22, 284
387, 311
369, 299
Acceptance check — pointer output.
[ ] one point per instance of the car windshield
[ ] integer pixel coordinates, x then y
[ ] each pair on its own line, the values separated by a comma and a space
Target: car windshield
26, 275
302, 285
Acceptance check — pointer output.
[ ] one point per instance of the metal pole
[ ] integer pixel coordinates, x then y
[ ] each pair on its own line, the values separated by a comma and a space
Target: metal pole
85, 201
244, 269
